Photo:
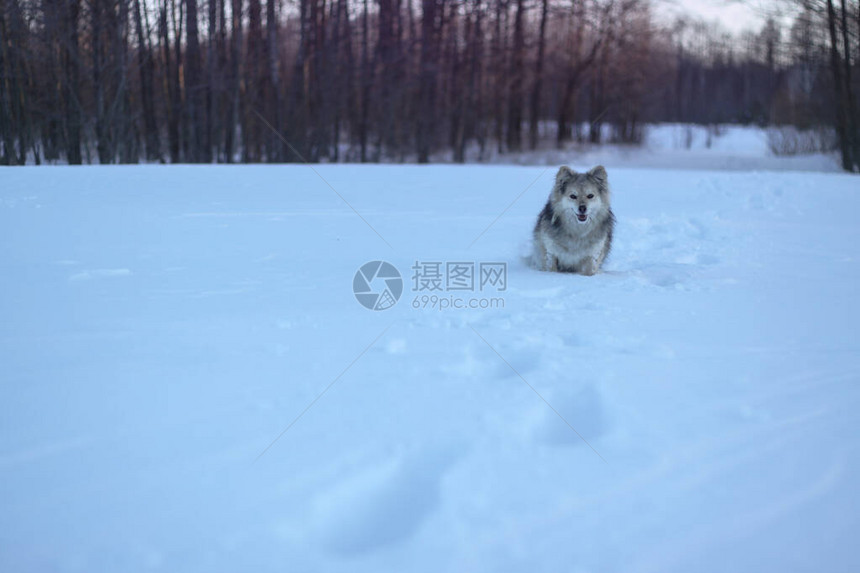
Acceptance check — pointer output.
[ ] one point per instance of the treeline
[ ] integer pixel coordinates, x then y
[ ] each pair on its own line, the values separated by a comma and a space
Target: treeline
122, 81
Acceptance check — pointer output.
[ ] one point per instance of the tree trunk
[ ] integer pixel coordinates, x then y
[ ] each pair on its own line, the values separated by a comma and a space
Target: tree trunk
8, 156
276, 148
386, 58
103, 145
233, 117
477, 116
499, 49
534, 104
515, 81
193, 88
366, 80
121, 107
221, 106
851, 111
144, 64
71, 87
577, 65
425, 137
210, 118
841, 107
252, 145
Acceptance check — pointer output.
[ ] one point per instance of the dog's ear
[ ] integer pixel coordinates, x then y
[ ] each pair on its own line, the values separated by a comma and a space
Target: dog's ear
598, 174
564, 175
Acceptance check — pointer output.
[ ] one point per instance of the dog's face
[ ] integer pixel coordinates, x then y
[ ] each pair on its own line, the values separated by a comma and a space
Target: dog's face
582, 195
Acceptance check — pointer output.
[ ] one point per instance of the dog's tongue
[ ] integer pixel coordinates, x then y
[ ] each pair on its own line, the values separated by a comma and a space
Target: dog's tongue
582, 217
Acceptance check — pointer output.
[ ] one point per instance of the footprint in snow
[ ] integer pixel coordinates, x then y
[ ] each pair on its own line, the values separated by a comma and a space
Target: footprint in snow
382, 504
583, 409
665, 275
473, 361
699, 259
98, 274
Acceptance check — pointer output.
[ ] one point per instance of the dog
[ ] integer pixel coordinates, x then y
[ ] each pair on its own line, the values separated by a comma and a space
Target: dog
573, 233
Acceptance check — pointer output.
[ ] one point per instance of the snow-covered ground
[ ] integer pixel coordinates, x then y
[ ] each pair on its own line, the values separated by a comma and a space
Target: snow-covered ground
667, 146
691, 409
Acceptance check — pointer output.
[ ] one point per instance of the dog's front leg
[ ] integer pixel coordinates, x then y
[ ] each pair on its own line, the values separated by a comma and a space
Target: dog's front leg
553, 263
540, 256
589, 266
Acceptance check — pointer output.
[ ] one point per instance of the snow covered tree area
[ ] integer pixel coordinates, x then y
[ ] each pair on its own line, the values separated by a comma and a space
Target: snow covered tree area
273, 81
191, 383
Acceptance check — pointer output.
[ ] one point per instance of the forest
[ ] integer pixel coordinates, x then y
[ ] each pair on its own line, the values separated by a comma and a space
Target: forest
223, 81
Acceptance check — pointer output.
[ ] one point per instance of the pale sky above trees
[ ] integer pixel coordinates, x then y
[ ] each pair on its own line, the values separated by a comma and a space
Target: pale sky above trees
734, 15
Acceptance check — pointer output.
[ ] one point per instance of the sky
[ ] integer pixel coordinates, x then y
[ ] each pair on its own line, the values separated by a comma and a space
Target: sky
734, 15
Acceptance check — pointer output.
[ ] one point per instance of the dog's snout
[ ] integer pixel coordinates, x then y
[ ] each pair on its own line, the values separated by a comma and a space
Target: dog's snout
582, 208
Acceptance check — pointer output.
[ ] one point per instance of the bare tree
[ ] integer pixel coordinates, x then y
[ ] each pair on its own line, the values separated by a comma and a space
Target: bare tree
71, 76
576, 62
844, 104
515, 80
426, 128
145, 65
273, 83
234, 105
537, 87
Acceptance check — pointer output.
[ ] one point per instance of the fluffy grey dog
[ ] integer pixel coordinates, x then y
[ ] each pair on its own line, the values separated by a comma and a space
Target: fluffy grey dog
574, 231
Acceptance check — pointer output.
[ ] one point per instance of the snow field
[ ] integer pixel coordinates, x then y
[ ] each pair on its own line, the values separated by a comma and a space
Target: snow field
163, 325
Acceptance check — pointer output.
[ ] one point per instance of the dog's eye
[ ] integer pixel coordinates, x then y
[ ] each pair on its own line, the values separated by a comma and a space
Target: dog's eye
591, 196
573, 196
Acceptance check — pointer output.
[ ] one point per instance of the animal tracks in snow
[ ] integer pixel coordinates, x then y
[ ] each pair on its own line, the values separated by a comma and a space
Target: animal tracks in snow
382, 503
99, 274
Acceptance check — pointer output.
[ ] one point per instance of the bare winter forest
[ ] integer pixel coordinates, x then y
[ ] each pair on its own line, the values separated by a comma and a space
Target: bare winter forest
124, 81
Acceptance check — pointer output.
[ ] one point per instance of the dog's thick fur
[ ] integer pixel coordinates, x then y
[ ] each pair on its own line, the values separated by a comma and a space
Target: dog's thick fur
574, 231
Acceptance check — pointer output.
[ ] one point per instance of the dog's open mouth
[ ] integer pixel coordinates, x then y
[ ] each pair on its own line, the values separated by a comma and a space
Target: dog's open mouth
582, 217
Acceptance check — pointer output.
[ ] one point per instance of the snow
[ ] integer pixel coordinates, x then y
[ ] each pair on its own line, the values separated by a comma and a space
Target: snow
692, 408
666, 146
